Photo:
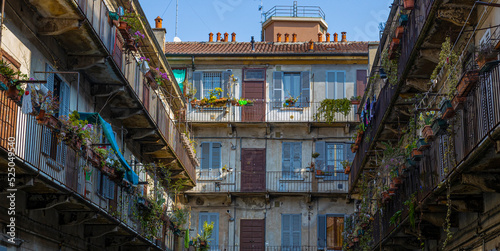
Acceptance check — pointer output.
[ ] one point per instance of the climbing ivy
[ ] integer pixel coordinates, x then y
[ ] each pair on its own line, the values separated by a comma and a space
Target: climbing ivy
330, 107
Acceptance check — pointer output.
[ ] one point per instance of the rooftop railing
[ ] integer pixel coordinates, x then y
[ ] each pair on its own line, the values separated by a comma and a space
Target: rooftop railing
294, 11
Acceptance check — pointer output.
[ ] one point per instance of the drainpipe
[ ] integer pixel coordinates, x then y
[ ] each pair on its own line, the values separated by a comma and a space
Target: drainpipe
1, 28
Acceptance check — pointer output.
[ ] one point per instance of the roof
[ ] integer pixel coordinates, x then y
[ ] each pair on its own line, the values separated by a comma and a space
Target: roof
263, 48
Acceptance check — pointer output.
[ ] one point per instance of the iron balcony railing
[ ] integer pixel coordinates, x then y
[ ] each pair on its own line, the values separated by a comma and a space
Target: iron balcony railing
294, 11
215, 181
478, 118
254, 246
263, 111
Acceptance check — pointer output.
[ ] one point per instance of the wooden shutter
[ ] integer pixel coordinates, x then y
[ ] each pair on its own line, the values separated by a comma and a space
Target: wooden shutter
321, 231
286, 158
205, 156
296, 230
331, 77
277, 88
305, 89
297, 157
360, 82
340, 85
216, 156
321, 159
226, 78
197, 79
286, 231
338, 228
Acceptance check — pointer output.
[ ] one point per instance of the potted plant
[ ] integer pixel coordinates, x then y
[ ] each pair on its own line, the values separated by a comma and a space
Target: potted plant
355, 100
399, 32
49, 105
409, 4
422, 144
487, 57
426, 120
354, 148
160, 77
439, 126
468, 80
290, 101
416, 155
347, 166
457, 102
446, 109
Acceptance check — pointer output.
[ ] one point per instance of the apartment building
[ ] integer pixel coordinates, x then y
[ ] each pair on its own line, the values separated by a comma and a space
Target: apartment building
270, 174
425, 172
99, 180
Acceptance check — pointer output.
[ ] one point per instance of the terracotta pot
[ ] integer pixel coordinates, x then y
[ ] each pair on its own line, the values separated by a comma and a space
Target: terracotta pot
355, 102
457, 102
392, 187
427, 133
13, 94
40, 118
385, 195
358, 139
469, 79
53, 123
447, 110
347, 170
416, 154
399, 32
409, 4
481, 62
354, 148
392, 192
319, 172
397, 181
122, 26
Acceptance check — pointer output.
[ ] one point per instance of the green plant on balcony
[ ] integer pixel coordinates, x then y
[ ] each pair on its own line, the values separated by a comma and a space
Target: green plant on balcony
148, 212
290, 101
200, 242
395, 218
346, 165
329, 108
447, 62
390, 66
76, 132
191, 91
46, 106
132, 20
178, 217
486, 54
410, 203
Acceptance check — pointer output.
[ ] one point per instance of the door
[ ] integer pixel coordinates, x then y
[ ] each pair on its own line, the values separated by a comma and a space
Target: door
252, 235
254, 89
253, 170
361, 80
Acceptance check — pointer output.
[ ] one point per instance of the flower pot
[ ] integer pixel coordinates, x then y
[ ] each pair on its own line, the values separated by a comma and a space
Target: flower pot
385, 196
422, 144
123, 26
392, 187
13, 94
354, 148
409, 4
358, 139
486, 62
53, 123
153, 85
403, 19
416, 155
427, 133
347, 170
397, 181
439, 126
399, 32
220, 102
150, 76
457, 102
392, 192
40, 118
319, 172
447, 110
469, 79
355, 102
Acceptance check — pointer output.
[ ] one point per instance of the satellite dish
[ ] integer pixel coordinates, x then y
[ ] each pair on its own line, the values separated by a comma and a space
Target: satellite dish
177, 39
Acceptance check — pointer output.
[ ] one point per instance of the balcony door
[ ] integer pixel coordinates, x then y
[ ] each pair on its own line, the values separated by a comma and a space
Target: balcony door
252, 235
254, 82
253, 170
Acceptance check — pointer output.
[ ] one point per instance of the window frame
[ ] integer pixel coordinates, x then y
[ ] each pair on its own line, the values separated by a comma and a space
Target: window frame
210, 173
337, 160
325, 246
203, 82
283, 95
215, 233
335, 84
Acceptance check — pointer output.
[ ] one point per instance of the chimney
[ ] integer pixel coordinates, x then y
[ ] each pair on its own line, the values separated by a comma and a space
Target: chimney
158, 21
278, 39
253, 43
226, 37
287, 37
210, 37
335, 37
159, 32
344, 39
320, 37
233, 37
328, 37
218, 36
294, 37
311, 45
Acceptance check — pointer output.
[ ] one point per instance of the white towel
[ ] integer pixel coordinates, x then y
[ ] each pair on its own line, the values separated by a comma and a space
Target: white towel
27, 106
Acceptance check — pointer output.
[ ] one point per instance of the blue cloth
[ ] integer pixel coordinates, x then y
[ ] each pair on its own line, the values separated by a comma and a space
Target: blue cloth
95, 118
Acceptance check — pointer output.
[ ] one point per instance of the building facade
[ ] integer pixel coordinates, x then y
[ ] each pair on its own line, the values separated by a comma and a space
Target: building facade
270, 174
93, 172
424, 173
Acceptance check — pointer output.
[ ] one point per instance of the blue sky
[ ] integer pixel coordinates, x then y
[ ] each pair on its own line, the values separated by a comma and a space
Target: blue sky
197, 18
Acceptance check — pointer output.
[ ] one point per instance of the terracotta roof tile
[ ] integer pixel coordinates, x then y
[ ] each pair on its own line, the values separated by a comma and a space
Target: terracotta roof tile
235, 48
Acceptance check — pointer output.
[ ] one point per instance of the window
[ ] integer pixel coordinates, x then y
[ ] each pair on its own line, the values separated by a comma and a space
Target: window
105, 187
291, 228
330, 228
335, 85
210, 217
291, 159
210, 159
205, 82
331, 154
290, 84
255, 74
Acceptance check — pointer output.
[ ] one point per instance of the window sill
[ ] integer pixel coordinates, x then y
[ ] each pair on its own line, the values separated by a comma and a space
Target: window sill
291, 109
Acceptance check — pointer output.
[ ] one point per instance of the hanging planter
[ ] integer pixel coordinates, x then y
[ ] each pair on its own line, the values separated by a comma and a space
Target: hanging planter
385, 196
447, 110
469, 79
14, 94
397, 181
403, 19
399, 32
457, 102
347, 170
392, 187
411, 163
354, 148
422, 144
409, 4
416, 155
427, 133
439, 126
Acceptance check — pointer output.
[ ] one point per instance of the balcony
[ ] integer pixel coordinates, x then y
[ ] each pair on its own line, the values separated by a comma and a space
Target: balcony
261, 111
117, 81
477, 120
213, 182
294, 11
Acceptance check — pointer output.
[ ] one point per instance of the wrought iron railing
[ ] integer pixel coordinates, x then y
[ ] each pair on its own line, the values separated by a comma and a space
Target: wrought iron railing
262, 111
294, 11
263, 247
270, 181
